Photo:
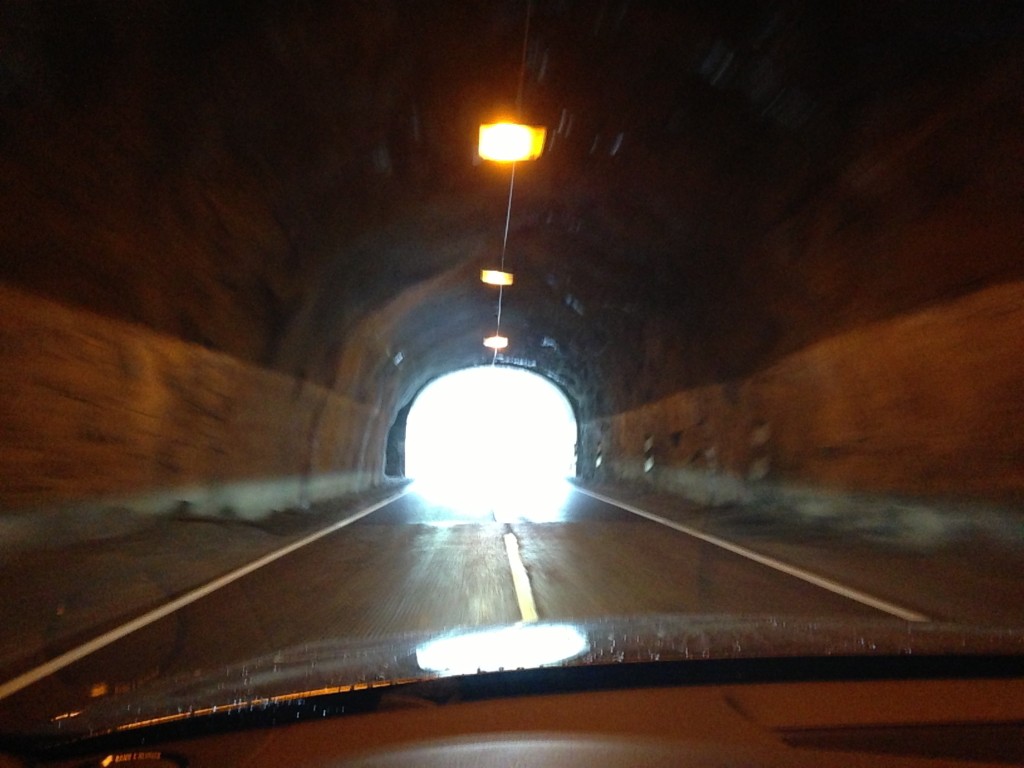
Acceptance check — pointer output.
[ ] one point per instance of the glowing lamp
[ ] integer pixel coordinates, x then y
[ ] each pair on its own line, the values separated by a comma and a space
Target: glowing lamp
496, 277
510, 142
496, 342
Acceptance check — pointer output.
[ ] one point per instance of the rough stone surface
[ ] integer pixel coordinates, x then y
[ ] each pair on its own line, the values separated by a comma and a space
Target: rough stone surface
100, 413
929, 404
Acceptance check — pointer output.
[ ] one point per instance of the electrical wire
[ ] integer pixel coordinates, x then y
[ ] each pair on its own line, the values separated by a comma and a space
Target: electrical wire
512, 175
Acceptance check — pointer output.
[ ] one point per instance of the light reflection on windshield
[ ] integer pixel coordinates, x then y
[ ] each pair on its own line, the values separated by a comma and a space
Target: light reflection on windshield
521, 646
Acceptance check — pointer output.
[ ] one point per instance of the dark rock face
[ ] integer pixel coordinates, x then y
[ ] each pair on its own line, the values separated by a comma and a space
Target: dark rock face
791, 205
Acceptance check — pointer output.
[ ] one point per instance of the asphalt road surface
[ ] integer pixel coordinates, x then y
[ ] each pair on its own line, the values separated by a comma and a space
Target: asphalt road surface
418, 564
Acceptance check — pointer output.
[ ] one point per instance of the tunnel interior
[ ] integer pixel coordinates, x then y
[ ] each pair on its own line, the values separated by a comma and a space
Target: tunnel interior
770, 247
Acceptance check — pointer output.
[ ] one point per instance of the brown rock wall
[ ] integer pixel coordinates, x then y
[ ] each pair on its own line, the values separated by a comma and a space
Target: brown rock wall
96, 408
929, 403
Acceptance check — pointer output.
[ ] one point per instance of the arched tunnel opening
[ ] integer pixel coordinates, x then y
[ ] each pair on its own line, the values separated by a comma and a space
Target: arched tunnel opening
496, 426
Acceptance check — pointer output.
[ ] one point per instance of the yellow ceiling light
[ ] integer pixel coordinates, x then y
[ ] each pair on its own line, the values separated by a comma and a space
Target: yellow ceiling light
496, 342
496, 277
511, 142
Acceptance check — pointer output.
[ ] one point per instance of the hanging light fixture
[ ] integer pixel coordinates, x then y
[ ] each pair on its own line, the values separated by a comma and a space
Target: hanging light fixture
496, 277
507, 142
511, 142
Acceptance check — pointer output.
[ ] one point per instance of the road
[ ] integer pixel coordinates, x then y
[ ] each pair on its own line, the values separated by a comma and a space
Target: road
417, 564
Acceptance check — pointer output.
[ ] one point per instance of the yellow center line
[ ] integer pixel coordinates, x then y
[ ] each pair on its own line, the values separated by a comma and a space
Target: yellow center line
520, 580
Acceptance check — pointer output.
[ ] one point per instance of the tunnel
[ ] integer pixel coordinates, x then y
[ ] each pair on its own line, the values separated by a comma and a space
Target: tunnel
769, 249
771, 252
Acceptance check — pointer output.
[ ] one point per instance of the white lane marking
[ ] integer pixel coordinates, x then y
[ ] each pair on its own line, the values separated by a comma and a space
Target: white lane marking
76, 654
812, 578
520, 579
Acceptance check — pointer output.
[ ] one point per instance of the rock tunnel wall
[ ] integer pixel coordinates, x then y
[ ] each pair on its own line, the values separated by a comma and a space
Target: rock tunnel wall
101, 413
231, 321
928, 404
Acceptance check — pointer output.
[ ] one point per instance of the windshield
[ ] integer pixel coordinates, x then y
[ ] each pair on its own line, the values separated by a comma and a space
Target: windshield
752, 272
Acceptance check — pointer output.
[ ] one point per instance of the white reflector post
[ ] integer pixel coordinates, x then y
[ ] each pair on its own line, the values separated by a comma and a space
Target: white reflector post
511, 142
496, 277
496, 342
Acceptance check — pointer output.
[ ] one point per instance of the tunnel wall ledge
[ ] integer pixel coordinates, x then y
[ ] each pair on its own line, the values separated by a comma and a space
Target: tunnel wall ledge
910, 424
250, 502
898, 519
107, 424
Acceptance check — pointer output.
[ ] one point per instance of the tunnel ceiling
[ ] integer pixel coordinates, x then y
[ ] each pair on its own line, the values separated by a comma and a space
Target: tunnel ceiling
294, 183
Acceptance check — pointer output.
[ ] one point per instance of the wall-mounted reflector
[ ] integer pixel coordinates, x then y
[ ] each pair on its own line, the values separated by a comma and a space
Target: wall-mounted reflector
496, 277
510, 142
496, 342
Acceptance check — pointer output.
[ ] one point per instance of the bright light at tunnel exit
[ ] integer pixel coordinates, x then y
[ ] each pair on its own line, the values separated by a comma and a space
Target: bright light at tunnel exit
490, 427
